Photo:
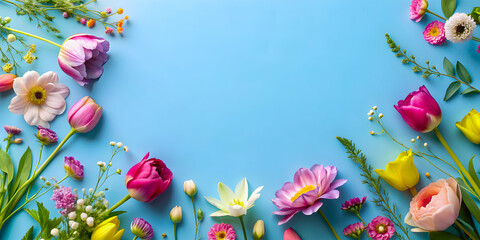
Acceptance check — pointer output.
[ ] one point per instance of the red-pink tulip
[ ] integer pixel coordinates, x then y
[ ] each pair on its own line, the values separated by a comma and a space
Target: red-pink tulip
148, 179
84, 115
420, 110
6, 82
290, 234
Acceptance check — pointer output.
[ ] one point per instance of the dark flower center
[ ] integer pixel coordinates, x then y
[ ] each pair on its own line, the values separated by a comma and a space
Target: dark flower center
460, 29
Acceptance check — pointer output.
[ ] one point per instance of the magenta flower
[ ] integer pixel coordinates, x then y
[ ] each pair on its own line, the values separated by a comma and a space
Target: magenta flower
141, 229
64, 199
478, 49
11, 130
73, 168
381, 228
354, 230
420, 110
82, 57
84, 115
418, 8
46, 136
148, 179
435, 33
353, 205
306, 192
290, 234
222, 231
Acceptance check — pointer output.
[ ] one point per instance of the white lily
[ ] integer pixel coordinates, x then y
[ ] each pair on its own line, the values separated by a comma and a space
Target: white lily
234, 204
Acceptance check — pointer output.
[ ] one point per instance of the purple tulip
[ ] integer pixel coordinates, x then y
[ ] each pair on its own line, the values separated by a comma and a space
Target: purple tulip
11, 130
82, 57
46, 136
73, 168
420, 110
148, 179
84, 115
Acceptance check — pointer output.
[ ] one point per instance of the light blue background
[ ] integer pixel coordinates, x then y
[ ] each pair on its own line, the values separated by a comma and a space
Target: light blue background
222, 90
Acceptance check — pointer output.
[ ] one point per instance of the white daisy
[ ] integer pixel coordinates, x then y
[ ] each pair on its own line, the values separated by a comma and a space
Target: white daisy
459, 28
39, 98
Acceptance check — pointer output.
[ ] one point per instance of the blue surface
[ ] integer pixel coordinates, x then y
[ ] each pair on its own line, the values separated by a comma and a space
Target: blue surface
222, 90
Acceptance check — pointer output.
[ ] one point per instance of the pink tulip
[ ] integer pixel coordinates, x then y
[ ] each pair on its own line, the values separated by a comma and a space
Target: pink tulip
435, 207
82, 57
6, 82
84, 115
290, 234
148, 179
420, 110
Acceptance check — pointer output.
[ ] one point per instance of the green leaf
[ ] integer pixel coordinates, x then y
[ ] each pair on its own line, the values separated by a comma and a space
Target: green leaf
471, 171
451, 90
6, 166
463, 74
115, 213
28, 235
443, 236
469, 202
466, 217
469, 90
448, 67
471, 230
448, 7
24, 169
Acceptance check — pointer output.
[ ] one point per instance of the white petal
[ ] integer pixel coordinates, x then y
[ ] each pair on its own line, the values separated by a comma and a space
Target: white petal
18, 105
225, 193
46, 78
19, 86
61, 89
30, 79
255, 195
46, 113
31, 114
217, 203
219, 214
55, 101
241, 191
237, 210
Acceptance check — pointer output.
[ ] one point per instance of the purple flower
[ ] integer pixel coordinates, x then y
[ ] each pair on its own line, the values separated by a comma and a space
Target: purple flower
64, 199
46, 136
82, 57
420, 110
354, 230
73, 168
354, 205
12, 130
306, 192
418, 8
141, 229
381, 228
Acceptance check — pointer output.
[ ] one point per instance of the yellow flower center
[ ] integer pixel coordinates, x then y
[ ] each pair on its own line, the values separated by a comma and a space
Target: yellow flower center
37, 95
434, 31
306, 189
381, 228
221, 235
237, 202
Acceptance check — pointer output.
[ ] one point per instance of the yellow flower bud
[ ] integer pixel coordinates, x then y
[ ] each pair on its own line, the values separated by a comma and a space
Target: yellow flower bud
401, 173
259, 230
175, 214
108, 230
11, 38
470, 126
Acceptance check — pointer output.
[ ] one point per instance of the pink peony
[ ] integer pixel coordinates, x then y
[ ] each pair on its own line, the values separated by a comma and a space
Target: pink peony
46, 136
222, 231
73, 168
435, 207
306, 192
290, 234
435, 33
82, 57
64, 199
418, 8
381, 228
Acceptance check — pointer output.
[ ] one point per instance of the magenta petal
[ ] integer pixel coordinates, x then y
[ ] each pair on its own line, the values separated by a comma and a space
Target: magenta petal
285, 219
313, 208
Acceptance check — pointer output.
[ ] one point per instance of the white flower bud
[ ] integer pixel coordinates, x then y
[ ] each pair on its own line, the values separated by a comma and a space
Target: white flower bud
120, 144
72, 215
75, 225
106, 203
90, 221
112, 143
190, 188
88, 208
90, 190
83, 216
125, 149
11, 38
80, 202
55, 232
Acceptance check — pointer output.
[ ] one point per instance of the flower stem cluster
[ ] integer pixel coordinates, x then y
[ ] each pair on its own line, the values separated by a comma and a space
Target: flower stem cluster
14, 49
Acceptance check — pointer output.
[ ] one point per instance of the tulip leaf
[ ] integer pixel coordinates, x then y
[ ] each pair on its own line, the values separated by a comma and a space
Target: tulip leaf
451, 90
448, 67
28, 234
465, 217
469, 90
24, 169
463, 74
6, 166
115, 213
471, 171
448, 7
443, 236
468, 228
469, 202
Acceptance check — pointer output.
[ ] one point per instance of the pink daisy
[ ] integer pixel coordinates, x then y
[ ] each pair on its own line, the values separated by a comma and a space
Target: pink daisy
435, 33
418, 9
222, 231
381, 228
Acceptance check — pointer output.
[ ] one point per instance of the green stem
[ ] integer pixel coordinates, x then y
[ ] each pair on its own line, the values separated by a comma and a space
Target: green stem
31, 35
329, 224
364, 223
436, 15
457, 161
38, 163
9, 142
195, 216
175, 230
134, 238
243, 227
118, 204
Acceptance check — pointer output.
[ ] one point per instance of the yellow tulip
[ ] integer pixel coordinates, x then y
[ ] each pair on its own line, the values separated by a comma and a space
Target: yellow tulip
108, 230
470, 126
401, 173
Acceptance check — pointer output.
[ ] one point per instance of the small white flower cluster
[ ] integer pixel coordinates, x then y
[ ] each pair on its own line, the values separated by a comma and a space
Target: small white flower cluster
371, 116
119, 145
418, 138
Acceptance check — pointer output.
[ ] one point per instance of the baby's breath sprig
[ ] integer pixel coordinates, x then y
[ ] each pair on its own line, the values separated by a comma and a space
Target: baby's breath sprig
80, 10
429, 70
11, 52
